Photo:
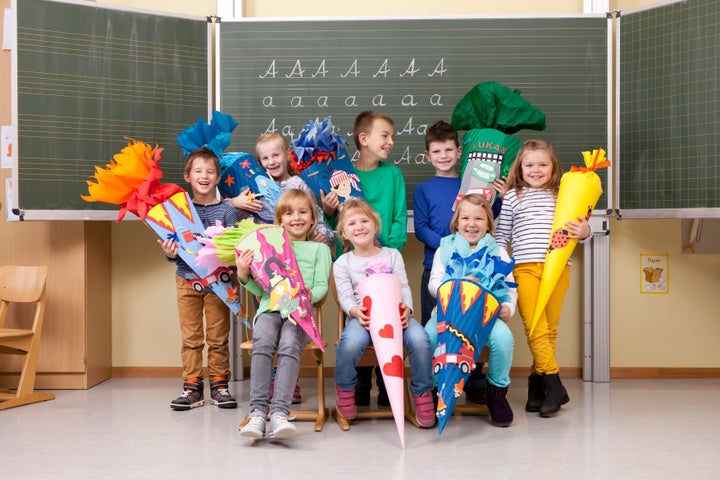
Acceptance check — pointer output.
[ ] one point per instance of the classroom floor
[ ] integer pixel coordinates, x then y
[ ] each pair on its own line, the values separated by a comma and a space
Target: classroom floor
124, 428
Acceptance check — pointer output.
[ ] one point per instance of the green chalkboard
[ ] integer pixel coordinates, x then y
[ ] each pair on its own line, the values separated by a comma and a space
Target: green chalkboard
88, 76
277, 75
670, 111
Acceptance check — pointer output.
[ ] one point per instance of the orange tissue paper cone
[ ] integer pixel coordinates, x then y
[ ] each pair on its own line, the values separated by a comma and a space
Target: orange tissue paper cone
132, 180
381, 293
580, 189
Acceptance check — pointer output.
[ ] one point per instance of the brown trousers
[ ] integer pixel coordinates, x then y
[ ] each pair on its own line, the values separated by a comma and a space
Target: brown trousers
191, 305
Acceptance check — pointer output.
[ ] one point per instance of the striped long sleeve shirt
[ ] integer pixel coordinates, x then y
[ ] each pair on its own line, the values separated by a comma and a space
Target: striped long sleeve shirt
525, 223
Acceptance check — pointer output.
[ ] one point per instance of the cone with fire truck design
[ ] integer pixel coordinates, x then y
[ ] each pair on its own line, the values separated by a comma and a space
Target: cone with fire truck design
466, 313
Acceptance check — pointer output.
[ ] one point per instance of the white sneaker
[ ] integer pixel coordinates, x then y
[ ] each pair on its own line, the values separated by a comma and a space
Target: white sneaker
255, 426
280, 427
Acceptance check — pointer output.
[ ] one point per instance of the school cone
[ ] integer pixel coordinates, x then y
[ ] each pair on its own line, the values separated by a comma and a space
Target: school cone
580, 189
132, 181
381, 293
466, 314
275, 269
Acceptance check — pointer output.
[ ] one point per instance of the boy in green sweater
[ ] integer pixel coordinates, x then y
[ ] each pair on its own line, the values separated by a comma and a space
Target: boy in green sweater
382, 183
383, 186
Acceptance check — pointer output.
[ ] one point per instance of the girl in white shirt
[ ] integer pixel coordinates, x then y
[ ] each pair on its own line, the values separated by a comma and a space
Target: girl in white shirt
524, 225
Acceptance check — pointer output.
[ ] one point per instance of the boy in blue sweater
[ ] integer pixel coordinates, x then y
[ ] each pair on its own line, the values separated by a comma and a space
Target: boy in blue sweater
433, 201
433, 210
434, 198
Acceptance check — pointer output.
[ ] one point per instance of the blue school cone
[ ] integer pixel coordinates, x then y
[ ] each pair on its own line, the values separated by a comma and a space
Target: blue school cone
466, 313
177, 218
319, 156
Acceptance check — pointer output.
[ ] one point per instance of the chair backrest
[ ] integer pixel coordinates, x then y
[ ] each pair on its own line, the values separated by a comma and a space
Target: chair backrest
22, 284
318, 313
341, 315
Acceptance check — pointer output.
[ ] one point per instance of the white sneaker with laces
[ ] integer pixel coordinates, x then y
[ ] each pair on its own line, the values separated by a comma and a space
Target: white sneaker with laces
255, 426
280, 427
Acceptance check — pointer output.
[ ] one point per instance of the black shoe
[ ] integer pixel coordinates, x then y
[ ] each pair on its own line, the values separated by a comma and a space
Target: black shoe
220, 394
555, 395
191, 397
536, 393
476, 386
363, 386
500, 412
382, 398
566, 398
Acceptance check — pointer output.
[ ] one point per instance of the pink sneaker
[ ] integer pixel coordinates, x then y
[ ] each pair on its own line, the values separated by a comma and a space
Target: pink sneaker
424, 409
345, 403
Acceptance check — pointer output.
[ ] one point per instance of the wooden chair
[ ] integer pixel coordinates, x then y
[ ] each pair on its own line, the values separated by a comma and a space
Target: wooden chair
368, 359
312, 353
22, 285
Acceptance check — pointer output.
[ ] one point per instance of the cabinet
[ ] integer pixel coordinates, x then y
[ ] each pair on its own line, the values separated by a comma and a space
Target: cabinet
75, 349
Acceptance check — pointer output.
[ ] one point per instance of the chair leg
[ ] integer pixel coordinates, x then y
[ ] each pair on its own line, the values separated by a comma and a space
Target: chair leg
342, 421
26, 400
26, 393
409, 410
467, 409
322, 410
321, 414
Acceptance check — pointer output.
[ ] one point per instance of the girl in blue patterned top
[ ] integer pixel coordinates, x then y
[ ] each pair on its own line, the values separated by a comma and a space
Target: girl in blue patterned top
470, 251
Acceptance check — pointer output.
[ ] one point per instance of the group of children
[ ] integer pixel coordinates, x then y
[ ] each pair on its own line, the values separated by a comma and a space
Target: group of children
373, 231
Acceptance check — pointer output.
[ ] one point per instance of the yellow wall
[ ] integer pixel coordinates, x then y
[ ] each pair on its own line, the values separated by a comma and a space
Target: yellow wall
679, 329
674, 330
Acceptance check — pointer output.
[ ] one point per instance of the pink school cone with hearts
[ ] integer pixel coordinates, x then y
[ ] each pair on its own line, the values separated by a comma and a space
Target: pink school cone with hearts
381, 293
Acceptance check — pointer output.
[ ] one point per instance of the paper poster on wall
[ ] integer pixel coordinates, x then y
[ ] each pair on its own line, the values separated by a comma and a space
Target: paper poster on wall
9, 215
654, 273
6, 146
8, 29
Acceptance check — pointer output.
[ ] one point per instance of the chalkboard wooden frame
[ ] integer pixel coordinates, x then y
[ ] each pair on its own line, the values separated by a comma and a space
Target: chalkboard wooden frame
89, 75
276, 74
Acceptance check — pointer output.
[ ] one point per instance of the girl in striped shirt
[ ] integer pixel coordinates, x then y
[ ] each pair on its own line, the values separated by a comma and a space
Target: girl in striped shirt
524, 227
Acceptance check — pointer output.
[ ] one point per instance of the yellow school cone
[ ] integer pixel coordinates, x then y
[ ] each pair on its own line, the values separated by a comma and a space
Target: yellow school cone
579, 191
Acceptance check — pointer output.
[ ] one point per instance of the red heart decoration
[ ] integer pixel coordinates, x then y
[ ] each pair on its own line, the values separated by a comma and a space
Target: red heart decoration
367, 303
394, 367
387, 331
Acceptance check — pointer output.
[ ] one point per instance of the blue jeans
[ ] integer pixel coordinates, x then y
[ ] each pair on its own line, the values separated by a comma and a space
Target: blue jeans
272, 332
355, 339
500, 342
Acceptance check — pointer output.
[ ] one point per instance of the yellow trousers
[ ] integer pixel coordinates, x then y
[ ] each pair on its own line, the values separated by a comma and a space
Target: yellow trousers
544, 340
